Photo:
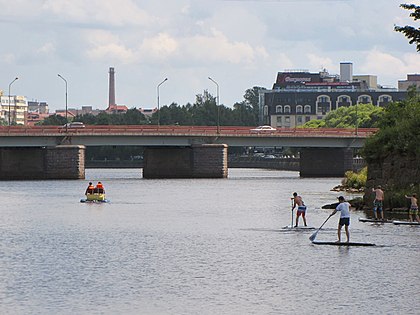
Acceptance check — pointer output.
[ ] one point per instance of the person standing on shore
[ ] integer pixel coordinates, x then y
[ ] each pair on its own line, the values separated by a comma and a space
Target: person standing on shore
378, 203
301, 210
414, 208
344, 208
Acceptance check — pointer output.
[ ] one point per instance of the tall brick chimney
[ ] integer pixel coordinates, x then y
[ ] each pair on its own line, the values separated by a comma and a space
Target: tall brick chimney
111, 87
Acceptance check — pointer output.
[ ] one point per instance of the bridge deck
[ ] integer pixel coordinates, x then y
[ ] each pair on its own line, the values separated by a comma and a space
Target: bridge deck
183, 130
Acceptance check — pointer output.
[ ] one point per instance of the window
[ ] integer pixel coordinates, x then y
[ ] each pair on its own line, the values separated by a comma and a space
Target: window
383, 100
299, 109
344, 100
323, 104
279, 109
307, 109
265, 110
364, 99
287, 109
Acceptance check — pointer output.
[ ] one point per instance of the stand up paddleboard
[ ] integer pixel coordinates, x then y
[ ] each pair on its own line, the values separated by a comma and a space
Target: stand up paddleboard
94, 201
298, 228
405, 223
342, 243
374, 220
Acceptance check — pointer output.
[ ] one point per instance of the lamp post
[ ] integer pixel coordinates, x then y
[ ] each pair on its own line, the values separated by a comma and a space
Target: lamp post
9, 96
158, 104
357, 123
217, 104
65, 81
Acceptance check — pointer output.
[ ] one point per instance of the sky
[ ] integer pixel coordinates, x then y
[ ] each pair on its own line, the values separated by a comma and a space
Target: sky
238, 43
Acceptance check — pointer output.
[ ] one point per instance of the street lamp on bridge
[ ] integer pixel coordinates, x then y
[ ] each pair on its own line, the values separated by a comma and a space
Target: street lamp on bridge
9, 96
217, 105
65, 81
158, 104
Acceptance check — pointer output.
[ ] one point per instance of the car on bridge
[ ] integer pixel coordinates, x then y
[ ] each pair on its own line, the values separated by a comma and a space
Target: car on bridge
263, 129
73, 125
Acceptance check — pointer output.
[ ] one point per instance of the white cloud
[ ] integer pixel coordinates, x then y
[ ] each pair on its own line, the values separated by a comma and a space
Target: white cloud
106, 46
8, 58
115, 13
240, 43
218, 48
47, 48
158, 47
321, 62
390, 68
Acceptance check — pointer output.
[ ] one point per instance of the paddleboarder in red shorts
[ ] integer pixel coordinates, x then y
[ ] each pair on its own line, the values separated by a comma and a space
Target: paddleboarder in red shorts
297, 201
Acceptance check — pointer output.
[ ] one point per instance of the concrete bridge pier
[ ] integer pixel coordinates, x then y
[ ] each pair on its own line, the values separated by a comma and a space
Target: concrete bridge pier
29, 163
197, 161
325, 162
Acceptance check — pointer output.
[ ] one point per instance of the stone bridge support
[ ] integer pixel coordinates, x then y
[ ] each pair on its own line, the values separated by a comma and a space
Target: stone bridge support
28, 163
197, 161
325, 162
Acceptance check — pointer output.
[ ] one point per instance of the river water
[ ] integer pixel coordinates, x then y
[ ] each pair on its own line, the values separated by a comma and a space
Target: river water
195, 246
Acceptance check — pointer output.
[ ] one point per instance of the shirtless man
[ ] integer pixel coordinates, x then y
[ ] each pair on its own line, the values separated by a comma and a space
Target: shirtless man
297, 201
378, 202
414, 208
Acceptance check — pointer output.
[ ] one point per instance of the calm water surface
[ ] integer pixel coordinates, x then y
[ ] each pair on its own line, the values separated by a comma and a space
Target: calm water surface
195, 246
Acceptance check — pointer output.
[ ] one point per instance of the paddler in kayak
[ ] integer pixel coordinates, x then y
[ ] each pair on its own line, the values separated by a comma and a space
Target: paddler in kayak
89, 189
99, 188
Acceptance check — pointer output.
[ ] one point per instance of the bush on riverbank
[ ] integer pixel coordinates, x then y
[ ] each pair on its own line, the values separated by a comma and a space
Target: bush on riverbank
393, 153
355, 180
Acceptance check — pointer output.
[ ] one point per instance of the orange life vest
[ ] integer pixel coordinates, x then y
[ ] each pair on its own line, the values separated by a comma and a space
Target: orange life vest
90, 189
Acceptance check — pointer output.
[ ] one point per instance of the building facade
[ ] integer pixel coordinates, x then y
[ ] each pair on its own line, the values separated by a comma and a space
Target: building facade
300, 96
412, 80
13, 109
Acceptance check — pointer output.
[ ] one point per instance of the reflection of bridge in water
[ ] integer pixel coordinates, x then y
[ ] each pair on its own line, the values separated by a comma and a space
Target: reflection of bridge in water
170, 151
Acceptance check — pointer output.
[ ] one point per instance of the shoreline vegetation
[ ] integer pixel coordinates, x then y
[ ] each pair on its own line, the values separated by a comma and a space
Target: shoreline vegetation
353, 182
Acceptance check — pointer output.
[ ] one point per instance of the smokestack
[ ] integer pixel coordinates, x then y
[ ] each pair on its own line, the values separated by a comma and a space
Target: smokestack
111, 87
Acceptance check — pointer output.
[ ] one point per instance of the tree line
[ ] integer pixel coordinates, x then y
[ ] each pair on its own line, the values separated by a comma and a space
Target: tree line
204, 112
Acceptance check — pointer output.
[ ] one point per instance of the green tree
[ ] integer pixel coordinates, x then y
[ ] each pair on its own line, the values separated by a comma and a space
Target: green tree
412, 33
399, 131
54, 120
252, 99
367, 116
244, 114
134, 117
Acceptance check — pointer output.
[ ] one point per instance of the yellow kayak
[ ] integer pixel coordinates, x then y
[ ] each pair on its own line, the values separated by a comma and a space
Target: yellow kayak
95, 197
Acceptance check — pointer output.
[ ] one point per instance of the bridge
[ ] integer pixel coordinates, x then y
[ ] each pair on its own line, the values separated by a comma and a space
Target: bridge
171, 151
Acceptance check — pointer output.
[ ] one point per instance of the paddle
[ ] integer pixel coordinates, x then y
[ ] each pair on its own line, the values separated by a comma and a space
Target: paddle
312, 237
291, 226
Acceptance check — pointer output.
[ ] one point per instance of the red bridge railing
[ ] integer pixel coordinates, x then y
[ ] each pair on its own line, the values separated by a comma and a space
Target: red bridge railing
184, 130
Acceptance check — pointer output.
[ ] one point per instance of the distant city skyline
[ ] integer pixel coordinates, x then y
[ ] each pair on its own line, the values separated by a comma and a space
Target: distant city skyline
239, 44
